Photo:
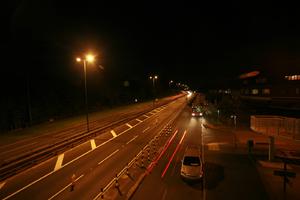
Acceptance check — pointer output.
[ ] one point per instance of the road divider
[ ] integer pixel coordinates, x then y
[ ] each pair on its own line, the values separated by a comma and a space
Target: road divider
70, 162
25, 160
136, 166
166, 146
140, 156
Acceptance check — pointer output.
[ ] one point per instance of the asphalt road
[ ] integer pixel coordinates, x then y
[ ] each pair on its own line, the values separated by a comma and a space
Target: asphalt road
93, 164
227, 174
28, 140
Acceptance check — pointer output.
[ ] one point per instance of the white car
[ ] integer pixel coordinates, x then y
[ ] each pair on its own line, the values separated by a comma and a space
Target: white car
191, 166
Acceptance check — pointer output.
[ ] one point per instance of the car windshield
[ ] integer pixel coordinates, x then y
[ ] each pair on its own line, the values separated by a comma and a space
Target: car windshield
196, 109
191, 161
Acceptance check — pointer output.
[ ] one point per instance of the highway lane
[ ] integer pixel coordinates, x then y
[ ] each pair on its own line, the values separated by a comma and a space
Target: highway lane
95, 169
40, 139
164, 181
228, 174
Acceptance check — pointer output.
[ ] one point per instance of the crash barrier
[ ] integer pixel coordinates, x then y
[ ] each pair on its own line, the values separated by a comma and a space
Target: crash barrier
137, 162
276, 126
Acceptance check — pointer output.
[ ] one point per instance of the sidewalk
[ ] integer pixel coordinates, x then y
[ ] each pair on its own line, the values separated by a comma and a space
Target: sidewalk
243, 134
273, 184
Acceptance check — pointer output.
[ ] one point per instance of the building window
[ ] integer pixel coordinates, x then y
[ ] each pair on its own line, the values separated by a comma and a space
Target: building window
266, 91
255, 91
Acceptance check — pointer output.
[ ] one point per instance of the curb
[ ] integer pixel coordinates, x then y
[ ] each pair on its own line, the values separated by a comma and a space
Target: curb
133, 189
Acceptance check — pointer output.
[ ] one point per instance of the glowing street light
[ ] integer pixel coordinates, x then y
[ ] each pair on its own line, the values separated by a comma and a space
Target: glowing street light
153, 78
89, 58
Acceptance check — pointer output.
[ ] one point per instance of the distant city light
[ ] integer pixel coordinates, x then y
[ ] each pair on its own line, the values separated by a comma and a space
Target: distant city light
292, 77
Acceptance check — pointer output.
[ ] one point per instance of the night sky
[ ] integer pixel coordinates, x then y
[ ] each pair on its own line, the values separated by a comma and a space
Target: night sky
204, 45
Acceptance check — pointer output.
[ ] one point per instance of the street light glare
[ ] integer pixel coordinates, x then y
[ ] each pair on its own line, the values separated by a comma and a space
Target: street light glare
155, 77
90, 58
78, 59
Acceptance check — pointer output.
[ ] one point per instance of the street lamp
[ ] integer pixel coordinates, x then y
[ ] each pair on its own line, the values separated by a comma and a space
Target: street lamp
153, 78
170, 82
89, 58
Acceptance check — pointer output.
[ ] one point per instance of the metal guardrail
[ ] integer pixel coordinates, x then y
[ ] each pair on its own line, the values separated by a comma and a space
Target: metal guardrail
130, 164
166, 128
27, 160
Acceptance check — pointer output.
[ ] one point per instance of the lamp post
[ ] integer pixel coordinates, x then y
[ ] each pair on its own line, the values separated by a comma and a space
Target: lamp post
153, 78
170, 82
89, 58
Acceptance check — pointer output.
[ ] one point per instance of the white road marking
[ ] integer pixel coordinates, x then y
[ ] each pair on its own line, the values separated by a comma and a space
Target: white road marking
93, 144
110, 183
113, 133
70, 162
110, 155
146, 129
60, 191
139, 120
2, 184
146, 116
132, 139
128, 125
59, 162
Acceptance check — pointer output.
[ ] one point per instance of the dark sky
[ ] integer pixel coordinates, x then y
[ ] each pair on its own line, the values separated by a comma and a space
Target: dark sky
204, 45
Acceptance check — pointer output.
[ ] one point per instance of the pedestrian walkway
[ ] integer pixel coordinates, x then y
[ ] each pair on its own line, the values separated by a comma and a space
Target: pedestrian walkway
272, 184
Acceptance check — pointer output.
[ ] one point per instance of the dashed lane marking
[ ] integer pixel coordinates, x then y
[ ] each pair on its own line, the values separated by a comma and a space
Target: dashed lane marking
67, 186
110, 155
93, 144
2, 184
132, 139
59, 162
72, 161
128, 125
139, 120
113, 133
146, 129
